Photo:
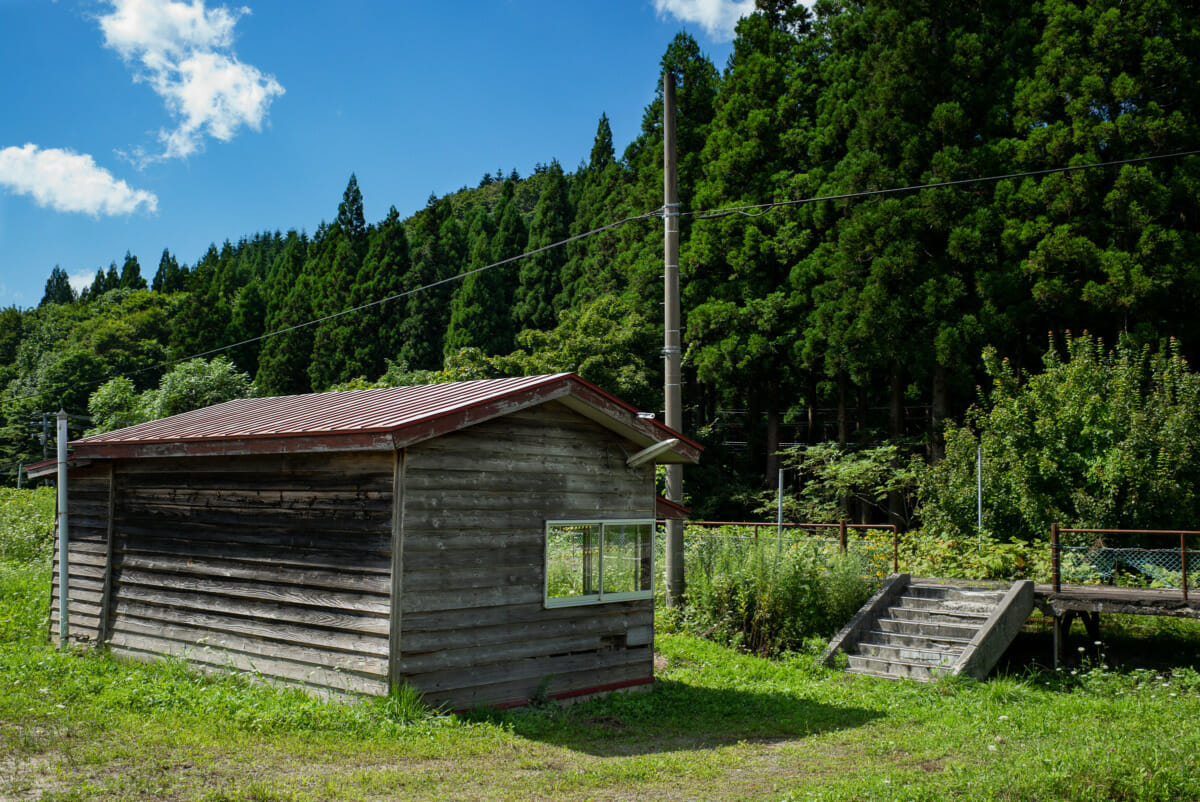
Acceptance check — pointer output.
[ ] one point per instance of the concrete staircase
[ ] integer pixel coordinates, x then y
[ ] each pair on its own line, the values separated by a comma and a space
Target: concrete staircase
925, 628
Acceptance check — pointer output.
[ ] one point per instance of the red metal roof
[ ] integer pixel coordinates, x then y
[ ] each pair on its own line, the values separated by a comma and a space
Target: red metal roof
383, 418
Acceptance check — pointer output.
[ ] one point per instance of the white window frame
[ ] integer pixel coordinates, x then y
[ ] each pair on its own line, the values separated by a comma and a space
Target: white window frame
599, 597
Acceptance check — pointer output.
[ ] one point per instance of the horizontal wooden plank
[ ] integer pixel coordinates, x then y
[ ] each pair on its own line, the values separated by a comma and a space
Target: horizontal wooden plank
637, 612
350, 501
81, 558
515, 485
487, 458
480, 658
526, 688
236, 569
465, 599
147, 648
82, 589
299, 464
254, 647
165, 514
321, 598
228, 542
544, 503
473, 577
350, 561
264, 482
601, 665
348, 642
418, 561
189, 603
472, 634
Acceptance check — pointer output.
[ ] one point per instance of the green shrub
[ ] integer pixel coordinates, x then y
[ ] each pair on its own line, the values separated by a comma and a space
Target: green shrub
930, 553
26, 524
1103, 438
768, 596
24, 602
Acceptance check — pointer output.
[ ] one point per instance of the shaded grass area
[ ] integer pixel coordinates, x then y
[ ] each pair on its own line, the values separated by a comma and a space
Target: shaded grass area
719, 725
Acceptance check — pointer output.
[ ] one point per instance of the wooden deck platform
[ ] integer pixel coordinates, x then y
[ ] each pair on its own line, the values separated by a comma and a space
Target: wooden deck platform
1113, 599
1087, 602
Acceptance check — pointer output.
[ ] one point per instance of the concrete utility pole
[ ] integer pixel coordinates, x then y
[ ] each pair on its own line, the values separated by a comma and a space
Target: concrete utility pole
672, 351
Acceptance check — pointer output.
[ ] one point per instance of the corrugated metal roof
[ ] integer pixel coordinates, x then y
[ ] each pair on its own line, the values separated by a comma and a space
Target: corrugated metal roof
376, 410
365, 419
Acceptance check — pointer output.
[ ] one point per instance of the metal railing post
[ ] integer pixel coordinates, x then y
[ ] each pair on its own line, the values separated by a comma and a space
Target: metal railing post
895, 549
1054, 559
1183, 563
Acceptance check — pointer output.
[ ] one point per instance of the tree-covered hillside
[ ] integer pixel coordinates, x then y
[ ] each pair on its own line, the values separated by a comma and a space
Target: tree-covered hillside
860, 318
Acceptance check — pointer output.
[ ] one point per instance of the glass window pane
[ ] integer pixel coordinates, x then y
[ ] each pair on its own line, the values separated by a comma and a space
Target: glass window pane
628, 557
572, 560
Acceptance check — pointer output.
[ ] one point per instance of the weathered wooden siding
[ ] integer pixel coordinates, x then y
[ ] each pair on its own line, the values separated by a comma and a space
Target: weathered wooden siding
279, 565
474, 627
87, 508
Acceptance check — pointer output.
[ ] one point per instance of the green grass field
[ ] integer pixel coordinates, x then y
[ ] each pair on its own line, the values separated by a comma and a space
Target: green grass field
719, 724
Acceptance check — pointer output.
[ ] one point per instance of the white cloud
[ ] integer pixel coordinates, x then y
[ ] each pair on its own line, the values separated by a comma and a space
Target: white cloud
81, 281
717, 17
69, 182
184, 51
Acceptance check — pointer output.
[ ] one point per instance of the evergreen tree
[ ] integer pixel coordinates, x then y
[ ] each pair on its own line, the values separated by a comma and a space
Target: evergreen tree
438, 253
168, 277
58, 288
378, 334
540, 275
350, 215
481, 313
248, 320
284, 357
131, 274
603, 154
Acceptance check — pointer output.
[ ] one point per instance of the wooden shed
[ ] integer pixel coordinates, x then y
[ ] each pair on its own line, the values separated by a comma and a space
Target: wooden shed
484, 542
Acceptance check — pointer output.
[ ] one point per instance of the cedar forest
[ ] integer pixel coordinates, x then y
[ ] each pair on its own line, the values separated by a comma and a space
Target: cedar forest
860, 319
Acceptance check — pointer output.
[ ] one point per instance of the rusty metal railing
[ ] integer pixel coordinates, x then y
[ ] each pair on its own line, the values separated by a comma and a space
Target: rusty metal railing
1056, 549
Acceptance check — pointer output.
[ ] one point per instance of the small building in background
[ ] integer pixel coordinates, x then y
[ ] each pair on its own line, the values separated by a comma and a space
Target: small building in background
485, 542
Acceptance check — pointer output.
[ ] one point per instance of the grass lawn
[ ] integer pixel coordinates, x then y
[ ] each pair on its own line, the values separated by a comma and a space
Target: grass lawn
718, 725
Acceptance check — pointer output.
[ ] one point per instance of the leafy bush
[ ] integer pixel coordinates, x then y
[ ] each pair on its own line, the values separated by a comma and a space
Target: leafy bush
26, 524
1105, 438
189, 385
929, 553
768, 596
831, 475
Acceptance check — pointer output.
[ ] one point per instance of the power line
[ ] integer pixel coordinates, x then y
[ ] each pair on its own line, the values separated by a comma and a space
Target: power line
755, 210
747, 211
405, 294
379, 302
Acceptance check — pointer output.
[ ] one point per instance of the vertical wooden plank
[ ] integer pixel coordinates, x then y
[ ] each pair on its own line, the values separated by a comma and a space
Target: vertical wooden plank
394, 645
106, 596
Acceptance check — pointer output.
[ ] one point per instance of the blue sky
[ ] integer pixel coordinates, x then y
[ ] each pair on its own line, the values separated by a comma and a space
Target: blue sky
138, 125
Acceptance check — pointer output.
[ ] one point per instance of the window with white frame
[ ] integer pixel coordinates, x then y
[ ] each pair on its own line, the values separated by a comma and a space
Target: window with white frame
588, 562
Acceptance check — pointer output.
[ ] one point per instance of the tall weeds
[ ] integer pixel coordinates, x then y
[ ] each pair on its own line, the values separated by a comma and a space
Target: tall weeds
768, 596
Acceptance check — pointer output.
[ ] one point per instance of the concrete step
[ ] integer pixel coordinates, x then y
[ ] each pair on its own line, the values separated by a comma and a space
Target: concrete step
966, 618
925, 628
875, 667
985, 595
915, 640
908, 654
956, 603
